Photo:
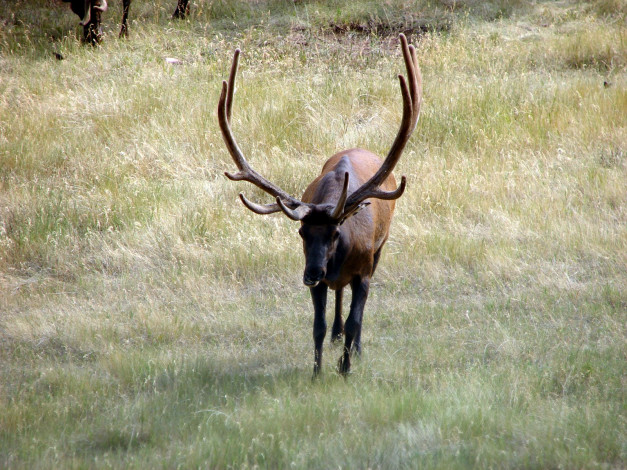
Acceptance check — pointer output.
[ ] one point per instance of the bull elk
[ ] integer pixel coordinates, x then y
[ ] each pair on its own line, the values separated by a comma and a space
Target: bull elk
344, 214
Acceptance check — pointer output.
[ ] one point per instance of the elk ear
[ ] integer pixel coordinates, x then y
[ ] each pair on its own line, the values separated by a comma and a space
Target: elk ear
353, 211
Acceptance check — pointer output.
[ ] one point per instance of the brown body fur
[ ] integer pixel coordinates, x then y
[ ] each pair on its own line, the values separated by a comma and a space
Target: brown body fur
369, 229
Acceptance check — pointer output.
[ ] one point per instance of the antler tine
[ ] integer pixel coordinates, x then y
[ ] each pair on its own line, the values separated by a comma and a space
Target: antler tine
339, 207
398, 192
295, 214
417, 95
412, 97
245, 173
231, 84
262, 209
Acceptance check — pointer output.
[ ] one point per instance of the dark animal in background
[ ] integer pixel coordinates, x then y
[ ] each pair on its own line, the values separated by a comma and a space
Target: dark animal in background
345, 213
90, 12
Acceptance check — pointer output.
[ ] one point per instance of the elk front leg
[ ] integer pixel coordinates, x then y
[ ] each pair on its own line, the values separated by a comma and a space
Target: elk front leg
338, 326
352, 327
319, 298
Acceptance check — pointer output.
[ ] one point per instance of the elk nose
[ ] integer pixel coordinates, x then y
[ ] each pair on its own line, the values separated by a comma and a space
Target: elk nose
312, 279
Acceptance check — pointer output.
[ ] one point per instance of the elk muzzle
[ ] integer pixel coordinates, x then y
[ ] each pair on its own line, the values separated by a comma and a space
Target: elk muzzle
315, 263
313, 276
319, 245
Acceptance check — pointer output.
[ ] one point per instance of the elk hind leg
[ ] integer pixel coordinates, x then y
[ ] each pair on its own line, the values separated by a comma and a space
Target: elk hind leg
338, 326
377, 255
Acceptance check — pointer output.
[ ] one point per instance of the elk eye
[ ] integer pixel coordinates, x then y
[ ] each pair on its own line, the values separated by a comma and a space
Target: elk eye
336, 234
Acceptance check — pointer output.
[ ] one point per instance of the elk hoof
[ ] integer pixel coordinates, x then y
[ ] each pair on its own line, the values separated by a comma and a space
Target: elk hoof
344, 365
336, 337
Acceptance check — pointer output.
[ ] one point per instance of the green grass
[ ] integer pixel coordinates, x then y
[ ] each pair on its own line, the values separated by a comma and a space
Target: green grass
147, 319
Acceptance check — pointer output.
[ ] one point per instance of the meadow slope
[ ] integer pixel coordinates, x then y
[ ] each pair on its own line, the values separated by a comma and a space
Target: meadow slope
147, 319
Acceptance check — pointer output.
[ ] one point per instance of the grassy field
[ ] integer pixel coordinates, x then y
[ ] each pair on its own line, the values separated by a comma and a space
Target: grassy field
148, 320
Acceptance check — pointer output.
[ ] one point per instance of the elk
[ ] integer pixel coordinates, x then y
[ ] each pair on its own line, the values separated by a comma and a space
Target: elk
90, 12
344, 214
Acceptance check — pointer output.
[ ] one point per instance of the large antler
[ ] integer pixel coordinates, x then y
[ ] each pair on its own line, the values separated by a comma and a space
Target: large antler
292, 207
346, 205
412, 98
